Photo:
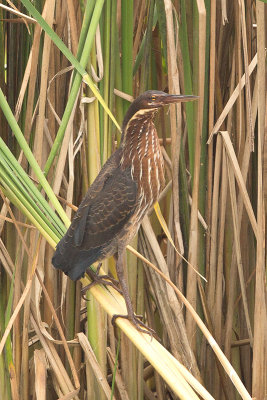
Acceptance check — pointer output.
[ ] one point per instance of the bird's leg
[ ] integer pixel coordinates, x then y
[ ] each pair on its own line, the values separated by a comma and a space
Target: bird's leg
99, 280
103, 279
135, 319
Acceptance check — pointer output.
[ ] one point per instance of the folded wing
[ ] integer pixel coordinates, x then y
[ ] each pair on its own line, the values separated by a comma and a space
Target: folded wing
104, 211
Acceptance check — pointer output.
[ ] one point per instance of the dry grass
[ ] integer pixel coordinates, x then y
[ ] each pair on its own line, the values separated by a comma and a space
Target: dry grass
213, 333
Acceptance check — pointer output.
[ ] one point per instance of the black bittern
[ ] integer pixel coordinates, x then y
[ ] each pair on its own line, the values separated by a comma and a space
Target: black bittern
126, 188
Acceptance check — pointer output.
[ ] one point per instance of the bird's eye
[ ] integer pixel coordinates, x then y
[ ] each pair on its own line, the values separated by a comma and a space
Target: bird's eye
153, 98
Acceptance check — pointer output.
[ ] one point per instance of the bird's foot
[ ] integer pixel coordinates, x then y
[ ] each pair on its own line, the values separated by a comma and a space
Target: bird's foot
136, 320
99, 280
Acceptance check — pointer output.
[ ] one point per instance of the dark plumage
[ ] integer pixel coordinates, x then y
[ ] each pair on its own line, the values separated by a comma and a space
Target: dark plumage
104, 211
127, 186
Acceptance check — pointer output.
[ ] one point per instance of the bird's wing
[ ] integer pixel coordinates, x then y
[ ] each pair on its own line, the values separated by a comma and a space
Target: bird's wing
77, 227
102, 216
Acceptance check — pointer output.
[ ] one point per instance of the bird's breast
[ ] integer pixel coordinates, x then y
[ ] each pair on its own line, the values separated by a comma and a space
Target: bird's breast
143, 155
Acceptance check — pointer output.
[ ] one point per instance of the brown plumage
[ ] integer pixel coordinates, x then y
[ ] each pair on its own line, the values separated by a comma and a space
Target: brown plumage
127, 186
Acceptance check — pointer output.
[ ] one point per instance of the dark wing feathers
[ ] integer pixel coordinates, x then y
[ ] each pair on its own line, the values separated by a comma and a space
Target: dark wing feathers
77, 228
78, 234
110, 210
107, 206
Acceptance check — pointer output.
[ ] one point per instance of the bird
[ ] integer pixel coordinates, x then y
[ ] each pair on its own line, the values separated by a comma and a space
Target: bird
113, 208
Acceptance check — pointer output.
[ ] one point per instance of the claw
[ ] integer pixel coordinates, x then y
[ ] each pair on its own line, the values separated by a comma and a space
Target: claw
97, 279
136, 321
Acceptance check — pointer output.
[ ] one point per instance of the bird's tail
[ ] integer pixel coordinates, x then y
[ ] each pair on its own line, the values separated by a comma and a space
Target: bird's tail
72, 261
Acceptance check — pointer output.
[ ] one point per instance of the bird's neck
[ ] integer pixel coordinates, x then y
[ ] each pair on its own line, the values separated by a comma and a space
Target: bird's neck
142, 154
136, 136
136, 127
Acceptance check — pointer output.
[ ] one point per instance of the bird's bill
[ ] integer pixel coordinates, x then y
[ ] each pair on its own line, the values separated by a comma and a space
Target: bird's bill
177, 98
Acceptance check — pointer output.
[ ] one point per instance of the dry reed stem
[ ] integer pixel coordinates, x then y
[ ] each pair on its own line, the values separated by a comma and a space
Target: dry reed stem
201, 220
70, 188
23, 87
244, 171
221, 376
91, 359
6, 260
172, 318
140, 19
212, 61
239, 68
214, 226
33, 75
15, 11
239, 178
73, 26
55, 362
191, 287
27, 289
17, 343
221, 233
22, 224
14, 371
99, 58
40, 368
64, 151
74, 373
38, 142
179, 340
154, 352
175, 120
259, 382
52, 80
250, 130
118, 379
242, 199
169, 237
224, 361
61, 333
33, 238
13, 382
21, 300
234, 96
237, 245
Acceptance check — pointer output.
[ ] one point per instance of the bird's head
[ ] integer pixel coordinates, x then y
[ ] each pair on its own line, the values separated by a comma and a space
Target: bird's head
151, 100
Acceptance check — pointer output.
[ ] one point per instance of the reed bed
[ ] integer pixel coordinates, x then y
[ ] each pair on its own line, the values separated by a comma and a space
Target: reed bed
197, 268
